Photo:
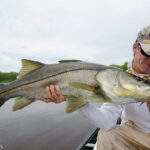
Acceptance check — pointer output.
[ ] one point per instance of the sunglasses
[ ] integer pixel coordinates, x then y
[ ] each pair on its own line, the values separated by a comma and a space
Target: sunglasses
142, 51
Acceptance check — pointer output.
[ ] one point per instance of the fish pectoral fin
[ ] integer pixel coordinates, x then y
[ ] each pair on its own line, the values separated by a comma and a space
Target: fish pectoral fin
28, 66
74, 103
95, 89
83, 86
21, 102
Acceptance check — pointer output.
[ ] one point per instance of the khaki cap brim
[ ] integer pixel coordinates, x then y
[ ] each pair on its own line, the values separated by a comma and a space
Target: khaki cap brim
146, 48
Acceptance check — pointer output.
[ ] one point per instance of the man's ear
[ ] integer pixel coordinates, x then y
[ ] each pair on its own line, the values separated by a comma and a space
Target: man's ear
135, 48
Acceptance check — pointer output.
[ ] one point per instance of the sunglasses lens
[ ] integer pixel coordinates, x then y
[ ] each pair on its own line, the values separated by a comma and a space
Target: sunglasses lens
143, 53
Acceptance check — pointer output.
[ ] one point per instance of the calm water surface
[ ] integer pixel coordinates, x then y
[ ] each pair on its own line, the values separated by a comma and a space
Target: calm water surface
42, 126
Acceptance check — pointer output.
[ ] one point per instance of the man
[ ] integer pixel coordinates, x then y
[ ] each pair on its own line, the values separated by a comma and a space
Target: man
134, 131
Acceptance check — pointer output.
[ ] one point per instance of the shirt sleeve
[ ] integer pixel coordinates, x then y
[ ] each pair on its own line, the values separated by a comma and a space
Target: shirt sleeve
104, 117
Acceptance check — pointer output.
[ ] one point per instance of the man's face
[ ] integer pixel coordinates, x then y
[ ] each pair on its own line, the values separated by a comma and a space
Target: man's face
141, 63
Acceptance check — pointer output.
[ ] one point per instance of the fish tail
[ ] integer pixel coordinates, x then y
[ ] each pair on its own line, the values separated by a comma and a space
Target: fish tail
73, 103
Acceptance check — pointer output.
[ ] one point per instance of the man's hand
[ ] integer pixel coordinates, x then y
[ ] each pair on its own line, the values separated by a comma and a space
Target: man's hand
54, 95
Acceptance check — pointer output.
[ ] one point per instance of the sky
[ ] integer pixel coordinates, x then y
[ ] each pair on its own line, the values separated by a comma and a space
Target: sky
99, 31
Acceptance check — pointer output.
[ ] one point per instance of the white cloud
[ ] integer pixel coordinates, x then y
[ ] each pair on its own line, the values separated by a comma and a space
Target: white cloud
46, 30
9, 64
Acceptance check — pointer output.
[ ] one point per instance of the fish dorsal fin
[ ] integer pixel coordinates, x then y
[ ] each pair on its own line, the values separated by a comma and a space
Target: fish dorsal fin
28, 66
21, 102
69, 60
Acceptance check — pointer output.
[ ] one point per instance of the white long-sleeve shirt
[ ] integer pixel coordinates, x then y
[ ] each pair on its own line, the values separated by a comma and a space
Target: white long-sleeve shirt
106, 116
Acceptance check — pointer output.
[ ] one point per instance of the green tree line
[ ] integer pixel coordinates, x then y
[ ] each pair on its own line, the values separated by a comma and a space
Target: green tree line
7, 77
123, 67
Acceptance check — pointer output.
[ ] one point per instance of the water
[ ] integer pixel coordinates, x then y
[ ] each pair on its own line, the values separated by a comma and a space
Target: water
42, 126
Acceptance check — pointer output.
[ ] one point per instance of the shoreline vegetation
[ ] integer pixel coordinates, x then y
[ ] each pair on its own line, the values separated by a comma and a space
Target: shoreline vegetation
8, 76
11, 76
123, 67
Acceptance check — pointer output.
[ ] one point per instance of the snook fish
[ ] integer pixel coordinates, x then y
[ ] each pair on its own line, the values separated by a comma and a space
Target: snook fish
80, 81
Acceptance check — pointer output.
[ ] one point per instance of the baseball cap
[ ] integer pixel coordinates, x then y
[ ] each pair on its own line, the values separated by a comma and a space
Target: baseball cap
143, 39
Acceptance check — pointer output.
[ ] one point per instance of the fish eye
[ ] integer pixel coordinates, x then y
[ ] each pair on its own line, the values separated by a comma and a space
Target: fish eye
138, 79
141, 80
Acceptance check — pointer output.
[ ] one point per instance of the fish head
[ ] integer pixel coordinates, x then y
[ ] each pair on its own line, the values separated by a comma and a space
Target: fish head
123, 84
134, 86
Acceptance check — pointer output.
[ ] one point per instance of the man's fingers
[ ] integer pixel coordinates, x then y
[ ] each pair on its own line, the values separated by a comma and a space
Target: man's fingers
48, 92
58, 91
53, 92
44, 99
61, 97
